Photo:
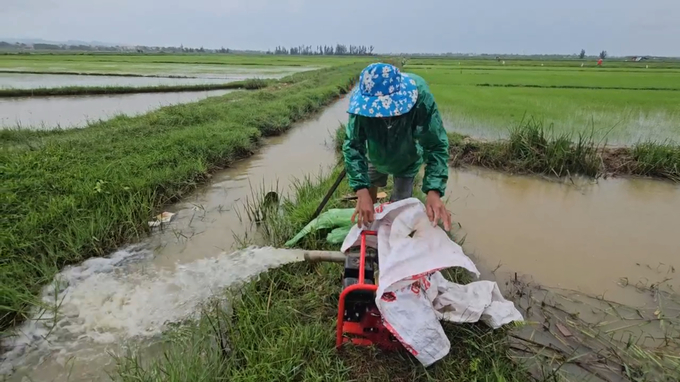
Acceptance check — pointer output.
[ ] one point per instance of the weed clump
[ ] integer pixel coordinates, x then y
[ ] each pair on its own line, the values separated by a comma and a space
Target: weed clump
532, 148
657, 159
539, 150
255, 83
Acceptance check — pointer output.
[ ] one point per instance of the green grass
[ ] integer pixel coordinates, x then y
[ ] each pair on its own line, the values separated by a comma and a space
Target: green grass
623, 107
251, 84
532, 148
69, 195
658, 79
281, 326
656, 159
548, 63
178, 64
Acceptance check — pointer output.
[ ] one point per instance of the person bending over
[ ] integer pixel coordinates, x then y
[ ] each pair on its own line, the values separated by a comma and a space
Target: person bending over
393, 127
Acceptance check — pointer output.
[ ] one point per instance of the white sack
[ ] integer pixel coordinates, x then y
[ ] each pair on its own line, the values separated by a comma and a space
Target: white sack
412, 294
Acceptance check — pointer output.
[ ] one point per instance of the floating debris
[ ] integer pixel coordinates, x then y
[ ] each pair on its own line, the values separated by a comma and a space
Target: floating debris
164, 218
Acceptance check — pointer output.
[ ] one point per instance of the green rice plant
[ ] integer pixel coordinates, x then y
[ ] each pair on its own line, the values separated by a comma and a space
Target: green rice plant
96, 90
537, 149
531, 148
255, 83
339, 139
625, 106
576, 87
657, 159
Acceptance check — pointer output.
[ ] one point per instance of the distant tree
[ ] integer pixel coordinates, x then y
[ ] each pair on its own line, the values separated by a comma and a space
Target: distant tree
603, 54
582, 54
339, 49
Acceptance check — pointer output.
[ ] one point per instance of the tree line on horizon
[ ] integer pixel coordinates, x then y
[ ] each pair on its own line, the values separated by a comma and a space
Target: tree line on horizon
603, 54
326, 50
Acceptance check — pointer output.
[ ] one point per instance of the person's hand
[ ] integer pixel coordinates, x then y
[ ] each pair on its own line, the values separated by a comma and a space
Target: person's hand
364, 210
436, 210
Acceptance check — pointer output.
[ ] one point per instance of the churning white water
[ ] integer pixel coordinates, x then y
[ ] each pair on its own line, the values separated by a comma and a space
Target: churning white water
105, 302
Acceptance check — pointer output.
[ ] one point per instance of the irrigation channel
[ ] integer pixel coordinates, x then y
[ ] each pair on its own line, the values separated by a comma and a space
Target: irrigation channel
76, 111
581, 235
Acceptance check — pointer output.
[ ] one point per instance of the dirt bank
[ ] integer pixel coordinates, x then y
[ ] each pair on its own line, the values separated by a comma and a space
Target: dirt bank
96, 90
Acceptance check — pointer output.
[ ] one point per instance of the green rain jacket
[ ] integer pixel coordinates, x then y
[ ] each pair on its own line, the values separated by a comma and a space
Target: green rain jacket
413, 138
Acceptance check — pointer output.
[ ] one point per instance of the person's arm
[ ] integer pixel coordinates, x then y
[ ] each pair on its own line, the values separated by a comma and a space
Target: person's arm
435, 144
356, 165
354, 152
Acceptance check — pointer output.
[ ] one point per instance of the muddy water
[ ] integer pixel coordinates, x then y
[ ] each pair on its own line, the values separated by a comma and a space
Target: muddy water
34, 81
128, 298
595, 237
77, 111
210, 219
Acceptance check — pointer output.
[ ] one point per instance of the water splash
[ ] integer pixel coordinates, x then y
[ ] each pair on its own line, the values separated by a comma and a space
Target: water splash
105, 301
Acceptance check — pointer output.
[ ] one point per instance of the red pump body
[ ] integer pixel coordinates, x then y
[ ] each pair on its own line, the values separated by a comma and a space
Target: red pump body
359, 320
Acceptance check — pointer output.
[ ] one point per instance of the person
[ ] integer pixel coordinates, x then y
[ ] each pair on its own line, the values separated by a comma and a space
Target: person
393, 128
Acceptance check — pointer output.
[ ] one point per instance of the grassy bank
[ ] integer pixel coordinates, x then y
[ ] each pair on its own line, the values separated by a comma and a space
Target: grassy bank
532, 148
250, 84
70, 73
74, 194
281, 326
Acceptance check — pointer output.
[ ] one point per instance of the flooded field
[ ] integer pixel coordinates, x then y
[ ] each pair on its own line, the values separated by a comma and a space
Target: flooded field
595, 237
35, 81
132, 294
76, 111
204, 70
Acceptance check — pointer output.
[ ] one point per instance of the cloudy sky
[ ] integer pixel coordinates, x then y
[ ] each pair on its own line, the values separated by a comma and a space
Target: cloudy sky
622, 27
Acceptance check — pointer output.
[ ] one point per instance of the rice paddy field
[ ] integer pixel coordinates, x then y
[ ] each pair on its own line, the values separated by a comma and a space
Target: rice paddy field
182, 65
622, 104
90, 290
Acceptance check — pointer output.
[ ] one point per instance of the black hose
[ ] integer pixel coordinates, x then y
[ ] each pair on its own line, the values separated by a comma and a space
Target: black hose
329, 194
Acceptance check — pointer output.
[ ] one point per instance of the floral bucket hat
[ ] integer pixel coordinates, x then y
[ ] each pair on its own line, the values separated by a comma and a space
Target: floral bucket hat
383, 91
